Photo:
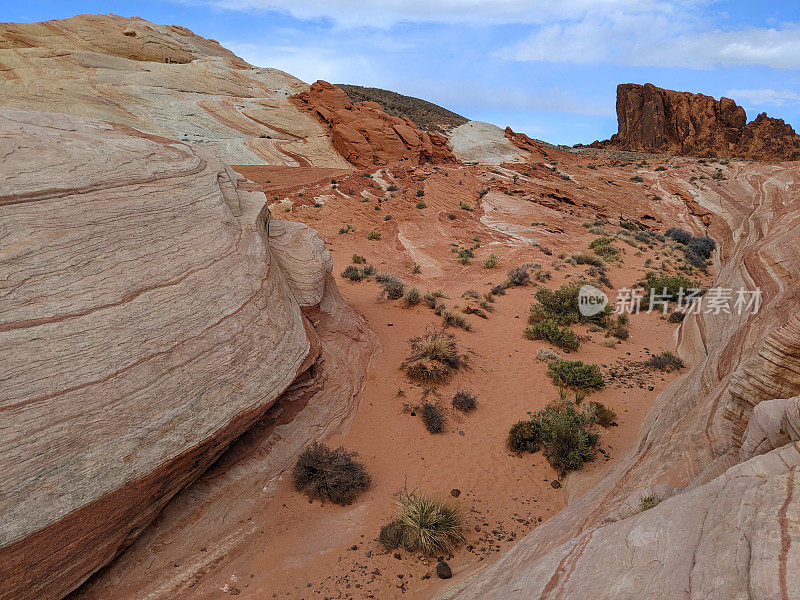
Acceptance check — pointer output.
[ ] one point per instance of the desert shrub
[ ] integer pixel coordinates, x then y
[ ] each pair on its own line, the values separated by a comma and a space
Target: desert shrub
679, 235
430, 525
519, 276
619, 328
430, 298
562, 431
561, 305
490, 262
421, 205
368, 270
392, 287
526, 436
671, 283
451, 319
434, 357
549, 331
464, 255
603, 248
433, 418
325, 474
588, 258
498, 290
661, 168
604, 416
576, 374
353, 273
420, 193
465, 401
666, 361
637, 179
703, 246
466, 206
387, 218
474, 310
358, 259
412, 297
649, 502
391, 535
373, 235
676, 317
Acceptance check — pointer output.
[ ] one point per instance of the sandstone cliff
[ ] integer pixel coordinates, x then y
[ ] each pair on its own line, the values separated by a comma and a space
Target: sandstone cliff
152, 312
652, 119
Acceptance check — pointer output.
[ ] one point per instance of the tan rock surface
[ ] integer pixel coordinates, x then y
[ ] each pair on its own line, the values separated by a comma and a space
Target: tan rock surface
89, 65
146, 323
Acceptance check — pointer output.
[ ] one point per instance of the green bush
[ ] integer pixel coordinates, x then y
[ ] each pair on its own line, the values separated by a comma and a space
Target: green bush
671, 283
549, 331
358, 259
562, 431
490, 262
637, 179
430, 525
666, 361
604, 416
373, 235
434, 357
353, 273
576, 374
603, 247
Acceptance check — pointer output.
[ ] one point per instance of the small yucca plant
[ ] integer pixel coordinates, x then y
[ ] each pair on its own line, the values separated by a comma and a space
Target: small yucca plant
430, 525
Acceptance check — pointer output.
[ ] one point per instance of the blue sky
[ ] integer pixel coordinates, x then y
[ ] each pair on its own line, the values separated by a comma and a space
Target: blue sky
547, 68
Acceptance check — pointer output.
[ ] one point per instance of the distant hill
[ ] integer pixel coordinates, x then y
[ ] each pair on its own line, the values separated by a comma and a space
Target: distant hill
425, 115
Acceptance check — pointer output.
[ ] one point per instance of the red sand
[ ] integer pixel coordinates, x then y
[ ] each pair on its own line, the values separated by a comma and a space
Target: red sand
314, 550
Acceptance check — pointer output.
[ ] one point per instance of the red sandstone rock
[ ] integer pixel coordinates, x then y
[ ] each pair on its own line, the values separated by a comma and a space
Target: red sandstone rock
365, 135
652, 119
523, 142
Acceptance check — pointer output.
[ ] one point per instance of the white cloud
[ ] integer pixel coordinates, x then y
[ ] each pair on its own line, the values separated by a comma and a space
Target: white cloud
657, 39
385, 13
308, 63
764, 97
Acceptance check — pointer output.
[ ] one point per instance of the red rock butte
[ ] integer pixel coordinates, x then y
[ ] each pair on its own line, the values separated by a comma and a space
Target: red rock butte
652, 119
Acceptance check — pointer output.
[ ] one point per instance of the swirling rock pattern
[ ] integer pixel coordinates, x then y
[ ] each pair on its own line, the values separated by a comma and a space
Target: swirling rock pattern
731, 529
164, 80
146, 324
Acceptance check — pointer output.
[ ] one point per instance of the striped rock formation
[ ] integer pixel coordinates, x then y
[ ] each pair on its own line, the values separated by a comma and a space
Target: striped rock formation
152, 313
